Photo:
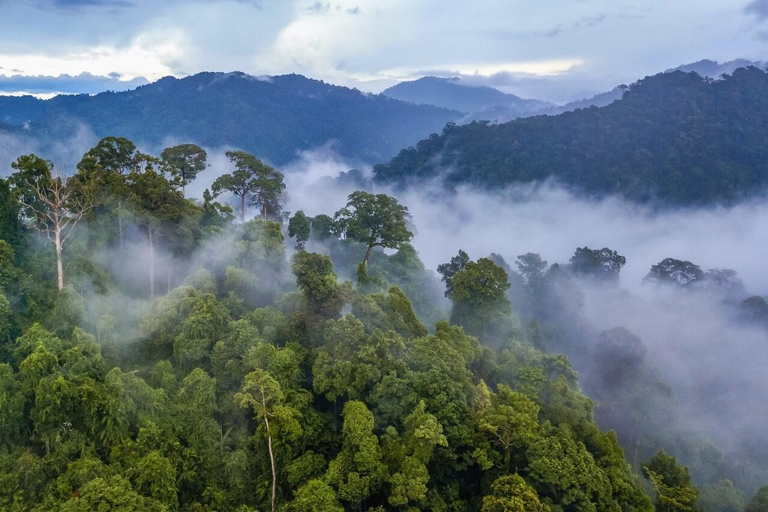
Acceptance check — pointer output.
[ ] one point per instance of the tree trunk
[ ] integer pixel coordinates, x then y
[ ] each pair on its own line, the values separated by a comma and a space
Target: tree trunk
151, 264
264, 210
169, 275
242, 210
271, 457
59, 265
367, 255
120, 220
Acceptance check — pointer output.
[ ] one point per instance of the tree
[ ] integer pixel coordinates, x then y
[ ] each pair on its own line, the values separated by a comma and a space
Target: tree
160, 208
11, 227
357, 472
253, 182
299, 228
450, 269
672, 272
108, 163
242, 182
674, 490
186, 162
479, 298
513, 494
262, 393
760, 501
115, 154
323, 227
374, 220
317, 281
315, 496
602, 265
52, 204
722, 496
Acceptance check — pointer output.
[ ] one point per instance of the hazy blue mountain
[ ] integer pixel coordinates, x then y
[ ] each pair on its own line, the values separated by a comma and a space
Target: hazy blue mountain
273, 117
714, 69
453, 94
674, 137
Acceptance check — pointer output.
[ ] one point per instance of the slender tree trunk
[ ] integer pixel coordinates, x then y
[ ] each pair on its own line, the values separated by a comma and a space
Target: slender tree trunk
120, 220
271, 455
59, 265
151, 265
242, 210
264, 210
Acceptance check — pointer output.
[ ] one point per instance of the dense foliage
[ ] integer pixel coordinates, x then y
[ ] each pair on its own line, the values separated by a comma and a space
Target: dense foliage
248, 385
191, 362
674, 137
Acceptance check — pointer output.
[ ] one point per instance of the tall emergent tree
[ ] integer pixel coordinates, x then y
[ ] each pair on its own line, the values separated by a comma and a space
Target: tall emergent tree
185, 161
478, 293
262, 392
299, 228
253, 182
158, 205
374, 220
108, 163
51, 204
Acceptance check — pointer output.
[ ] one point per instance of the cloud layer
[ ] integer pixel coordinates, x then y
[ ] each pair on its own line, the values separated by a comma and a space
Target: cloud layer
371, 45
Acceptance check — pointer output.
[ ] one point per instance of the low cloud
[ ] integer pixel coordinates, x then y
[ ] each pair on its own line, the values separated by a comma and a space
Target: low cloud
84, 83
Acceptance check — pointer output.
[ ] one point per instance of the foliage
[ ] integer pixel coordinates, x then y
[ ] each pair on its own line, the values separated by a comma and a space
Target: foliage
675, 137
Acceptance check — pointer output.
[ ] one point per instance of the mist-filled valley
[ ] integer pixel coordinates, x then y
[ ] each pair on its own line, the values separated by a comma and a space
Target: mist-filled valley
211, 302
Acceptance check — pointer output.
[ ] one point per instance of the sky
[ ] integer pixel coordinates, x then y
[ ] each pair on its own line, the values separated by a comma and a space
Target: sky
556, 50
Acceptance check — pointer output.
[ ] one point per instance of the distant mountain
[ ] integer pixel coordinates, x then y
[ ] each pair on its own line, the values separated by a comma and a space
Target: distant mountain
675, 138
599, 100
274, 117
453, 94
714, 69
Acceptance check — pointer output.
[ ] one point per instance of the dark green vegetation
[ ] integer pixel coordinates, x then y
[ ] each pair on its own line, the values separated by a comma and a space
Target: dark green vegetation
273, 117
156, 355
675, 138
255, 381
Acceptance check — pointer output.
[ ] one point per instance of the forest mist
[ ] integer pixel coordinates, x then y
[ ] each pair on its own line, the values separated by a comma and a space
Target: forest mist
697, 344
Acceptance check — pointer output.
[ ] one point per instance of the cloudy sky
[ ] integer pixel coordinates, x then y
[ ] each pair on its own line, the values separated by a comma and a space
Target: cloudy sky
560, 49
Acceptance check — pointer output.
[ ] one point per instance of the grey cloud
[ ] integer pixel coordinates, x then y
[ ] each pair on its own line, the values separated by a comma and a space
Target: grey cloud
758, 9
82, 83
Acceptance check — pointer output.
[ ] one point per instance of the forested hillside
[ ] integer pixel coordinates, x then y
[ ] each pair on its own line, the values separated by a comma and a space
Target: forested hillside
275, 117
675, 138
158, 355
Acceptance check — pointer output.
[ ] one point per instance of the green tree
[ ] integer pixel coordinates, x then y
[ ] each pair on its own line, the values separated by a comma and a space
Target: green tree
450, 269
759, 502
315, 496
186, 161
262, 393
114, 494
675, 491
358, 471
375, 221
513, 494
603, 264
479, 298
299, 228
317, 281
